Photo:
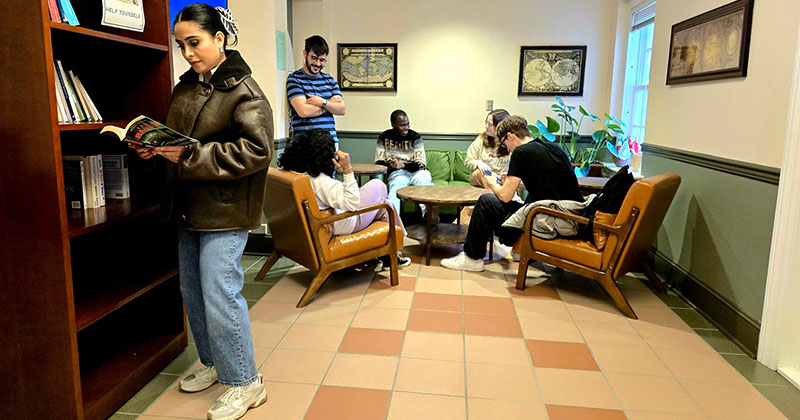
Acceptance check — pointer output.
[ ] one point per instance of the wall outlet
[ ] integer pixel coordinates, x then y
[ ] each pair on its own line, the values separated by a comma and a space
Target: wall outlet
489, 105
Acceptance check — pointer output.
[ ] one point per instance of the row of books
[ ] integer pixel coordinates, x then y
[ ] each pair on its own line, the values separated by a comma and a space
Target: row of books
61, 11
89, 180
74, 103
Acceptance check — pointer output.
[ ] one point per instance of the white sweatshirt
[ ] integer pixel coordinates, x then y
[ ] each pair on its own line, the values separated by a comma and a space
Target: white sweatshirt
477, 151
339, 196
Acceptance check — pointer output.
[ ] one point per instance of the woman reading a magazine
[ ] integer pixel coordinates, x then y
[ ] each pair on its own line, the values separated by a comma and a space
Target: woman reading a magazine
214, 193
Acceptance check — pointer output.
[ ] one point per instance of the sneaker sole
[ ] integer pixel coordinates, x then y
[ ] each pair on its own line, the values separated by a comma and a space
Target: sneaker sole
448, 266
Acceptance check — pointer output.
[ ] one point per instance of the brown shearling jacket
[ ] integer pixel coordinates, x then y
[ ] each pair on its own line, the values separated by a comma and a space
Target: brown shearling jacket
219, 183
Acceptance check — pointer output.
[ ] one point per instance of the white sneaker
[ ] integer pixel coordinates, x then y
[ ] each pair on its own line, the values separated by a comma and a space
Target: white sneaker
200, 379
462, 262
234, 402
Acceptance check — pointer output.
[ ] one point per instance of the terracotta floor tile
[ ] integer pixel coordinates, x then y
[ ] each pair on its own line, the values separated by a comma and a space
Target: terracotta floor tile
652, 393
446, 322
266, 311
382, 282
672, 338
730, 399
285, 401
300, 366
480, 409
430, 376
496, 350
381, 318
634, 360
372, 341
560, 355
361, 371
439, 346
643, 415
550, 330
492, 288
494, 325
428, 285
337, 315
437, 302
563, 412
267, 334
438, 272
489, 305
397, 299
338, 403
501, 382
313, 337
582, 388
412, 406
541, 308
610, 333
539, 291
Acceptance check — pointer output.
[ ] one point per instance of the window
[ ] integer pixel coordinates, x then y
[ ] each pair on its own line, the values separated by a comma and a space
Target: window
637, 72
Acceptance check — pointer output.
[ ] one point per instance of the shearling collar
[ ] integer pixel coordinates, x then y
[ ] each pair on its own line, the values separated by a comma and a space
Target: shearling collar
229, 74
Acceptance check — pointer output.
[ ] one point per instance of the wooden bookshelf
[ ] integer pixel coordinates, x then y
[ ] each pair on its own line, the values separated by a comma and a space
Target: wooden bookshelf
85, 326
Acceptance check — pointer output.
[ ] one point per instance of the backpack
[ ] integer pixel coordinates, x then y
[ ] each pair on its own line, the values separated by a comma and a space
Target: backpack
609, 200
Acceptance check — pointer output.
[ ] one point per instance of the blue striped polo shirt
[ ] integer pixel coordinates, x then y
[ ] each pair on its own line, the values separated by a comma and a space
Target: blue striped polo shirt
323, 85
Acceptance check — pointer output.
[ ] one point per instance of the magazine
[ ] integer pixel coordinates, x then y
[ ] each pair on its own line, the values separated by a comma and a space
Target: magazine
147, 132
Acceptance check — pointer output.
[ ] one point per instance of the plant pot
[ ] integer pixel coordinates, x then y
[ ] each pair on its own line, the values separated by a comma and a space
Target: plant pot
621, 162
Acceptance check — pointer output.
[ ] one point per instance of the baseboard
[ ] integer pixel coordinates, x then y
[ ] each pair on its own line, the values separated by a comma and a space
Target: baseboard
259, 243
735, 324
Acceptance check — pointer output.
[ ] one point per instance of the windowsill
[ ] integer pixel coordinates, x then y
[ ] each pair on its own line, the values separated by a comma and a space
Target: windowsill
610, 169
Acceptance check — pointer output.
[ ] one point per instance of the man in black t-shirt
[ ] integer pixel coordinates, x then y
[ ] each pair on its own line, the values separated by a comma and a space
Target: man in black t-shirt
542, 167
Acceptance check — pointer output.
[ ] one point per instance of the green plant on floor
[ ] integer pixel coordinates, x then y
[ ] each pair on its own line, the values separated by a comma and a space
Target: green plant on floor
567, 133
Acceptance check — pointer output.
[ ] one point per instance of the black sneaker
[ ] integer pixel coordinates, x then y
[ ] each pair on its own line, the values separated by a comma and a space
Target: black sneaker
384, 262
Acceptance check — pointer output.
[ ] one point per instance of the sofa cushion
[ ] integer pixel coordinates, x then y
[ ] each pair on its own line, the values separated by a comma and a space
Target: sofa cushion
438, 162
460, 170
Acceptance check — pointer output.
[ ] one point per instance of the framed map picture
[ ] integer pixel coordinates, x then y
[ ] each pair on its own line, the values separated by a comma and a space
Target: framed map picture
367, 67
551, 70
714, 45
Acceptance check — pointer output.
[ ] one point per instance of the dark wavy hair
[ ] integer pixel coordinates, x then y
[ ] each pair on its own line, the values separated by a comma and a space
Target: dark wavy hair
207, 18
310, 151
489, 141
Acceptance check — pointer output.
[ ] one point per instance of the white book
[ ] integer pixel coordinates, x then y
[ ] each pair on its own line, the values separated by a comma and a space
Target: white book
71, 96
61, 117
101, 179
84, 104
93, 108
115, 172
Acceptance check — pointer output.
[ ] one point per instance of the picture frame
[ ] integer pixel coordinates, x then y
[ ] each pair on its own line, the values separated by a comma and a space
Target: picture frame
551, 70
367, 67
713, 45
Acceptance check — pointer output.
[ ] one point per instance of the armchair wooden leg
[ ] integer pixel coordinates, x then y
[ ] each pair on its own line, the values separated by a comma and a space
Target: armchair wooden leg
522, 272
648, 272
273, 258
316, 283
619, 299
393, 274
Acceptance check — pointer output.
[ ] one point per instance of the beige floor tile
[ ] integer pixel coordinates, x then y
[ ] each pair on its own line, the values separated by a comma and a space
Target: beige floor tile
337, 315
372, 341
658, 315
300, 366
643, 415
652, 393
361, 371
492, 288
176, 403
494, 325
634, 360
541, 308
339, 403
672, 338
489, 305
598, 312
438, 272
430, 376
268, 311
437, 302
565, 412
285, 401
429, 345
407, 282
610, 333
481, 409
267, 334
580, 388
381, 318
532, 290
396, 299
412, 406
642, 298
260, 355
432, 285
290, 288
436, 321
731, 400
550, 330
313, 337
483, 275
698, 365
497, 382
496, 350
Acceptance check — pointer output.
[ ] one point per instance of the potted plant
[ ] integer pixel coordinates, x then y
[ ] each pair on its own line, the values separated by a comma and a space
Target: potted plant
624, 149
567, 134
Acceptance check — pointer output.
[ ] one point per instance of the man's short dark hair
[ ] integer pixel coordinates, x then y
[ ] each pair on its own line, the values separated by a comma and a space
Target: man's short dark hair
397, 113
514, 124
317, 44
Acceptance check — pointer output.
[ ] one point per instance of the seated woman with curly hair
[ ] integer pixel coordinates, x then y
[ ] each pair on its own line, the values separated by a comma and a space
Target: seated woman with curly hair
313, 153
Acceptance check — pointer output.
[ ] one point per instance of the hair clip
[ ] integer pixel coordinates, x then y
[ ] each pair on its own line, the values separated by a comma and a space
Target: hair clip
228, 21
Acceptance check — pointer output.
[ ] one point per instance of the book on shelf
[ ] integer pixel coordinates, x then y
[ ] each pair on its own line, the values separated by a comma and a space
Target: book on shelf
67, 12
75, 184
74, 101
55, 15
115, 171
147, 132
91, 180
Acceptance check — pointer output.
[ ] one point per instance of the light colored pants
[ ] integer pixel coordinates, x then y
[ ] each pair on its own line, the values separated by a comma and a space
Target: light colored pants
374, 192
211, 280
401, 178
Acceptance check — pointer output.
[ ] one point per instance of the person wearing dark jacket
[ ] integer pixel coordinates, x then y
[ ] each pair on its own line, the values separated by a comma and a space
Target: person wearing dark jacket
213, 194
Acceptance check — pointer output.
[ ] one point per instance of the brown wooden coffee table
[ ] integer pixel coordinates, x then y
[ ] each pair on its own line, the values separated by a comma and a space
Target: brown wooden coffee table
433, 196
371, 169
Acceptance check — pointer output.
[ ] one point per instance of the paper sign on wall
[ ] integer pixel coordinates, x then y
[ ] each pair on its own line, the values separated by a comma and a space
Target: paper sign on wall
124, 14
280, 44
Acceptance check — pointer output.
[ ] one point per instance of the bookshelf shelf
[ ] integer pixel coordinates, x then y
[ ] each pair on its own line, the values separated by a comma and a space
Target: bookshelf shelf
115, 211
111, 37
90, 125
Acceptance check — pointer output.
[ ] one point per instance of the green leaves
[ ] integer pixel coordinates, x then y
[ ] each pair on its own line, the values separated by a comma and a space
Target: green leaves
543, 130
552, 125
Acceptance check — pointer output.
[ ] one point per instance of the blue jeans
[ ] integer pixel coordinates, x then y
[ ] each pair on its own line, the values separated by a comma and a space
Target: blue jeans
401, 178
211, 280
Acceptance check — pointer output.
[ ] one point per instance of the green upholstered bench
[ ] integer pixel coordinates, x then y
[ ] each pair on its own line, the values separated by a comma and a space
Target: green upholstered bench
447, 168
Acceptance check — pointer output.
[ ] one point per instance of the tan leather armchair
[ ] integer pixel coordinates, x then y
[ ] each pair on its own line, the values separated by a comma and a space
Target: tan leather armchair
629, 237
304, 234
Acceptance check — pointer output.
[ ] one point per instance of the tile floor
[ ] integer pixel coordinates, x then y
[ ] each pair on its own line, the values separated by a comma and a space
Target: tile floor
450, 345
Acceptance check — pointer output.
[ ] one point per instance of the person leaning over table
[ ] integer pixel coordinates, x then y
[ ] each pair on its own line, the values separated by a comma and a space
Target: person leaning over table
485, 153
213, 193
